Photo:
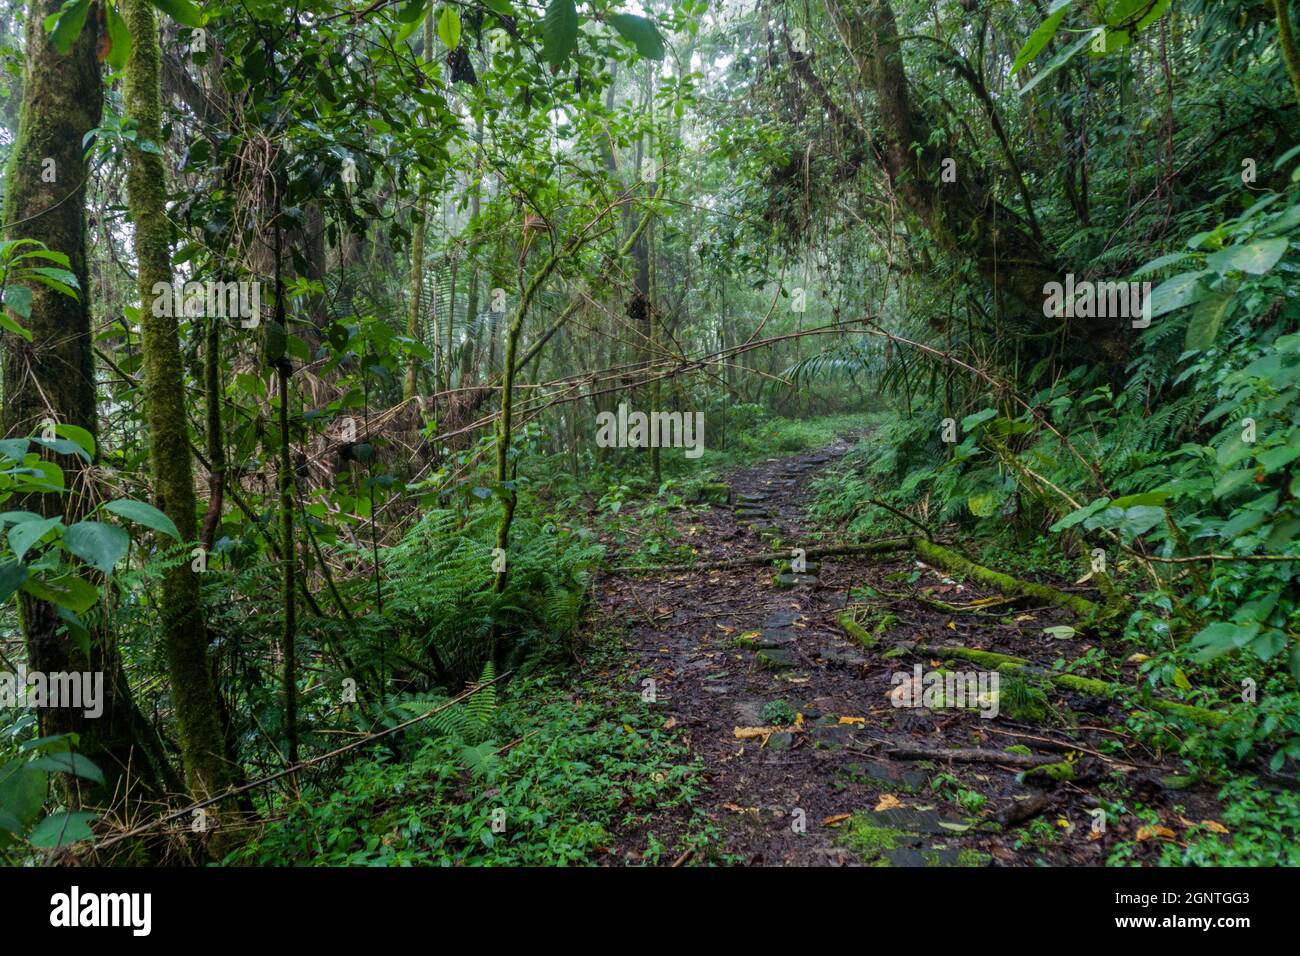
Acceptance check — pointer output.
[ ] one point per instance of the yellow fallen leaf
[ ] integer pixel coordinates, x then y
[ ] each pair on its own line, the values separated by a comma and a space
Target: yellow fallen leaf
951, 625
985, 601
1138, 658
1214, 826
836, 819
748, 733
1151, 831
888, 802
855, 721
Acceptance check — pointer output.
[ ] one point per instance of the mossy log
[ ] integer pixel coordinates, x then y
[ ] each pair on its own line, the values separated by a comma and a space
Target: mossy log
1004, 583
883, 546
865, 637
1091, 687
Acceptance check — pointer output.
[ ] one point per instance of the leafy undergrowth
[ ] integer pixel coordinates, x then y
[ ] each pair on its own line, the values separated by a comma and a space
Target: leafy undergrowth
557, 767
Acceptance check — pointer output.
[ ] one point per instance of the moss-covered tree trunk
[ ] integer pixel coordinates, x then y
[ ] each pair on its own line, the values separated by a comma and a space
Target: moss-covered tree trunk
52, 378
183, 626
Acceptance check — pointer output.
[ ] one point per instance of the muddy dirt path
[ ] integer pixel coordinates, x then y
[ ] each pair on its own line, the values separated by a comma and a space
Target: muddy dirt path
799, 736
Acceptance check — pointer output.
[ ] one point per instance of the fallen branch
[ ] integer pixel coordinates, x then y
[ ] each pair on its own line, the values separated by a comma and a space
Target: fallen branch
970, 755
1004, 583
186, 811
1021, 810
1007, 664
871, 547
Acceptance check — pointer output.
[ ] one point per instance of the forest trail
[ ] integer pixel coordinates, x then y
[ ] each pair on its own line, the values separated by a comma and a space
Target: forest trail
828, 787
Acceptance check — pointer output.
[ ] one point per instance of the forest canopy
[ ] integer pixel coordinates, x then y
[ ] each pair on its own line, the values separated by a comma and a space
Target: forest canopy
455, 432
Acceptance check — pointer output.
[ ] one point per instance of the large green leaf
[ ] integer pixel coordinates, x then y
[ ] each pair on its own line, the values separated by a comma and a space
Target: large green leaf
67, 590
67, 24
1060, 60
15, 449
1206, 321
69, 762
181, 11
643, 34
1220, 638
19, 298
559, 31
412, 11
449, 27
77, 434
62, 828
120, 37
22, 794
144, 514
98, 544
1082, 514
1181, 290
1255, 258
12, 575
22, 536
1042, 36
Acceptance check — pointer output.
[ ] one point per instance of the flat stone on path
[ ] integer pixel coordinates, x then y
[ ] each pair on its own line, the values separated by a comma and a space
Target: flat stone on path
781, 619
781, 740
913, 820
784, 582
776, 658
776, 638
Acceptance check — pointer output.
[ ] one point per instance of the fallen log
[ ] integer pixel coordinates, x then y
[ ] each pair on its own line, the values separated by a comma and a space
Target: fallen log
950, 560
971, 755
1091, 687
883, 546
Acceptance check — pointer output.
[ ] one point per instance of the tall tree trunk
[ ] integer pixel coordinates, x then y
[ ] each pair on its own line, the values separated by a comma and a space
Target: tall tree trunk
417, 254
184, 630
52, 377
963, 217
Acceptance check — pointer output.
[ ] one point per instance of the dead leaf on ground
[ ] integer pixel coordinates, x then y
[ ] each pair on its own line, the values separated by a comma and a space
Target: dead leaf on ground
855, 721
1214, 826
836, 819
888, 802
1152, 831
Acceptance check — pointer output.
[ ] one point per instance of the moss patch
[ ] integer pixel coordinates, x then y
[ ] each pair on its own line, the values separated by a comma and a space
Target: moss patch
870, 841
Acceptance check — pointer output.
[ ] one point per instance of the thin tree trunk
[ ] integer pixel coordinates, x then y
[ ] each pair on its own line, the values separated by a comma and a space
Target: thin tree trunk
417, 255
184, 630
52, 377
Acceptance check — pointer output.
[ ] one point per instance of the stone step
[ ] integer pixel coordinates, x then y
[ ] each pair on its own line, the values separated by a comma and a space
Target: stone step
776, 659
714, 493
784, 582
775, 638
